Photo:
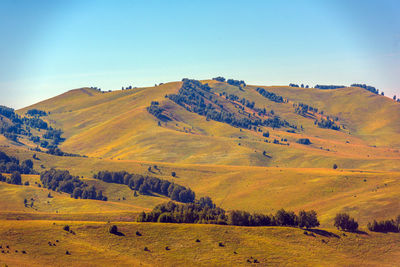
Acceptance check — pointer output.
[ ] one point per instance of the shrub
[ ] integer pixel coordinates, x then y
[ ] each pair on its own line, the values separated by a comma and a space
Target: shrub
15, 178
308, 219
113, 229
345, 222
385, 226
304, 141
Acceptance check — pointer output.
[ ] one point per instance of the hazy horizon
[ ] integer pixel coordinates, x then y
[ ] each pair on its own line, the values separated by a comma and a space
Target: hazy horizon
51, 47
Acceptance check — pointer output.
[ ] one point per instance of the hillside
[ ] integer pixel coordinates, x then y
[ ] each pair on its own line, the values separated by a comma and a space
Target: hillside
117, 125
175, 245
252, 148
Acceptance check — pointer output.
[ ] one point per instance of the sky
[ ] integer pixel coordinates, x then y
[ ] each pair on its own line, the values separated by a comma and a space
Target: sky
49, 47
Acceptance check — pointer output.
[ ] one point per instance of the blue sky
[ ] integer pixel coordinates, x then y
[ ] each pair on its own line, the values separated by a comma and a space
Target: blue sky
49, 47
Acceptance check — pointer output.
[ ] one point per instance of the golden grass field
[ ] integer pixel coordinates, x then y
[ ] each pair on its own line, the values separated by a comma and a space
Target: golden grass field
117, 133
92, 245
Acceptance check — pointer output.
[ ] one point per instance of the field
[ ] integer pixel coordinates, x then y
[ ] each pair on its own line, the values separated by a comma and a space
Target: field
236, 167
93, 245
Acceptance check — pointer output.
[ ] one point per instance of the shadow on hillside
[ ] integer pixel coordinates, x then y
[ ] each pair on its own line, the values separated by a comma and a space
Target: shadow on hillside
118, 233
323, 233
361, 232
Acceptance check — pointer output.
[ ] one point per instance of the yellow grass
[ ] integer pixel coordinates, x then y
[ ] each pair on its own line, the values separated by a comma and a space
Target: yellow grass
92, 245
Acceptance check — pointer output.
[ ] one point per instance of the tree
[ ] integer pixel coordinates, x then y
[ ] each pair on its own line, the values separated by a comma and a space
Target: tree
345, 222
287, 218
173, 174
15, 178
335, 166
394, 97
308, 219
113, 229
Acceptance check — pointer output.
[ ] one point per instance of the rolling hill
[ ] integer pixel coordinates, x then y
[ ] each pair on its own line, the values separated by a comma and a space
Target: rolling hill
243, 145
117, 125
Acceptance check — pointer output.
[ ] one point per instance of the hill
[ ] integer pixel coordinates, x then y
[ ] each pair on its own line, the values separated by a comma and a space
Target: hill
252, 148
118, 125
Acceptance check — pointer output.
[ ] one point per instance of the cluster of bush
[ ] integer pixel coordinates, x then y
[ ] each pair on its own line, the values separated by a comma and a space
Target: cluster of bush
304, 141
233, 82
36, 123
22, 126
15, 178
157, 111
204, 211
146, 185
63, 181
197, 98
327, 123
9, 164
242, 101
236, 82
219, 79
270, 95
36, 113
296, 85
303, 109
385, 225
327, 87
58, 152
345, 222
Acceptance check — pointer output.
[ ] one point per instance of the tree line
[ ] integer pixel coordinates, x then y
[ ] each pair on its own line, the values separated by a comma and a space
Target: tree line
205, 211
36, 113
15, 178
63, 181
328, 87
146, 185
9, 164
385, 226
270, 95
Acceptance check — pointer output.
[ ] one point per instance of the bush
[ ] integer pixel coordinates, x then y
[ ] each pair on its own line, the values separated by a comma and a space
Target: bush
15, 178
113, 229
385, 226
345, 222
304, 141
308, 219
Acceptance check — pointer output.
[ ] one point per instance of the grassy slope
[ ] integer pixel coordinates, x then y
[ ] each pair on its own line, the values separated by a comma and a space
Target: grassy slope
117, 125
93, 245
261, 189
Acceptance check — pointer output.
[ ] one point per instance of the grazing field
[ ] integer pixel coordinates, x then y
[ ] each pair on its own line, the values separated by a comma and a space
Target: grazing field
175, 245
355, 170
